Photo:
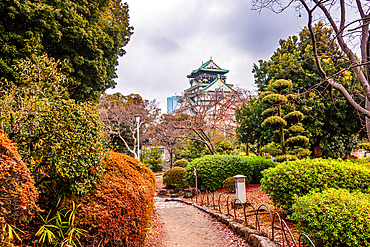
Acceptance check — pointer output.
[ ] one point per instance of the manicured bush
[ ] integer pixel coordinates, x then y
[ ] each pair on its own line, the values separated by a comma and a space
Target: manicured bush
298, 178
212, 170
334, 217
174, 177
229, 184
274, 122
18, 194
181, 163
118, 211
285, 157
259, 164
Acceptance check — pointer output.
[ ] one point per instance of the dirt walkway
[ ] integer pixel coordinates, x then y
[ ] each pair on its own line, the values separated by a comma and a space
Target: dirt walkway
178, 224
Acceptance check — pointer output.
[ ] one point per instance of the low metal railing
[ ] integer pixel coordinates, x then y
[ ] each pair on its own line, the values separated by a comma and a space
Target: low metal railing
285, 238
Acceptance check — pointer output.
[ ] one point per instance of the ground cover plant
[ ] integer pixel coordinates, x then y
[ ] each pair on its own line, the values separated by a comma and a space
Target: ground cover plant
297, 178
334, 217
118, 211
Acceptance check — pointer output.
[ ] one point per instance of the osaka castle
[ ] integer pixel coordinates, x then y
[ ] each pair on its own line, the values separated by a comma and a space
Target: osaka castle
208, 87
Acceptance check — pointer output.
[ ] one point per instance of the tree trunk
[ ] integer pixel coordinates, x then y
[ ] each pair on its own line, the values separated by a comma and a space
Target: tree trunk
367, 106
171, 158
316, 151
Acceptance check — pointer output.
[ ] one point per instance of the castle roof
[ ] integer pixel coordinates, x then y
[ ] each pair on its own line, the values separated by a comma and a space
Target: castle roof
208, 66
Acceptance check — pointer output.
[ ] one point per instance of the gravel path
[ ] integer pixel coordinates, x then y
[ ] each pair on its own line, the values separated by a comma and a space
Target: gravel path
178, 224
186, 226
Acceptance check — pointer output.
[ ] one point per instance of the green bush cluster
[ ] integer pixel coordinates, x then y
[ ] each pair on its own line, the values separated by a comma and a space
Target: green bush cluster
229, 184
259, 164
212, 170
334, 217
174, 177
181, 163
297, 178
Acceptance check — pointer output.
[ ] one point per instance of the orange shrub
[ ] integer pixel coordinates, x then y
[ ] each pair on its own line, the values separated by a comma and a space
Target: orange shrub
118, 211
18, 194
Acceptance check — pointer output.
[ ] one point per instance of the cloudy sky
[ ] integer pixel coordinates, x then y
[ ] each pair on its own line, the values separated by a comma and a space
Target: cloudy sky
173, 37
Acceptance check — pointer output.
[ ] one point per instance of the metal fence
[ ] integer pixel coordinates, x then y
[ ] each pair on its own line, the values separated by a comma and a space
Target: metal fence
251, 216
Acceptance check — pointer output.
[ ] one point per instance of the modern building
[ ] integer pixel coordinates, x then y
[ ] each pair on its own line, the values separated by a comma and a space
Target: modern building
173, 104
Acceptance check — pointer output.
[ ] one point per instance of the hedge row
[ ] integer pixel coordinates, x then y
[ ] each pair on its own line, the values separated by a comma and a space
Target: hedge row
259, 164
212, 170
297, 178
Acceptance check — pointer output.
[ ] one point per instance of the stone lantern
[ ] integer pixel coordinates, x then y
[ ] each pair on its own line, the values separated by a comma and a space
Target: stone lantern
240, 188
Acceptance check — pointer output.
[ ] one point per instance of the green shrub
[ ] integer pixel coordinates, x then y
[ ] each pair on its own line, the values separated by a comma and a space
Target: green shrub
181, 163
285, 157
174, 177
300, 177
364, 161
274, 122
300, 153
212, 170
229, 184
152, 157
334, 217
297, 141
259, 164
62, 141
118, 211
272, 149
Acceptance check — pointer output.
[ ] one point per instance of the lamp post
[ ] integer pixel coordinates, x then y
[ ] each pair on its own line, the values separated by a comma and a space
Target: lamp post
137, 117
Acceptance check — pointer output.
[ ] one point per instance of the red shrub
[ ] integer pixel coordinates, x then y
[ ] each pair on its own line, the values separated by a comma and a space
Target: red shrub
118, 211
18, 194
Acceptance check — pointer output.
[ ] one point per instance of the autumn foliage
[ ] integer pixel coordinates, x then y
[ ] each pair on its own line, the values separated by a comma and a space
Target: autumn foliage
118, 211
18, 194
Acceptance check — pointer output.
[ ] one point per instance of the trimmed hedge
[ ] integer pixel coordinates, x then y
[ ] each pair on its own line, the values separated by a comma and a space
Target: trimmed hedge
298, 178
334, 217
212, 170
119, 210
229, 184
174, 177
181, 163
18, 194
259, 163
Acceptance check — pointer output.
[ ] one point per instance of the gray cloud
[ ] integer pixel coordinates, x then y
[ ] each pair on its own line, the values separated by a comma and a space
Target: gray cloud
173, 37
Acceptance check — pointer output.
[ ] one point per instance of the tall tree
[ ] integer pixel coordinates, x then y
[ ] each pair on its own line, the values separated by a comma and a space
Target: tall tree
89, 34
249, 130
328, 114
350, 22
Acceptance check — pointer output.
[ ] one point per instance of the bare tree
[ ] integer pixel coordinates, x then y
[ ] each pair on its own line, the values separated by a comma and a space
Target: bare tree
348, 33
208, 115
167, 134
119, 114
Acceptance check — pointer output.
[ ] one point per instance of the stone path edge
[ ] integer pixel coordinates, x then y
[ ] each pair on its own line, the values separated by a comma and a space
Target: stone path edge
253, 237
